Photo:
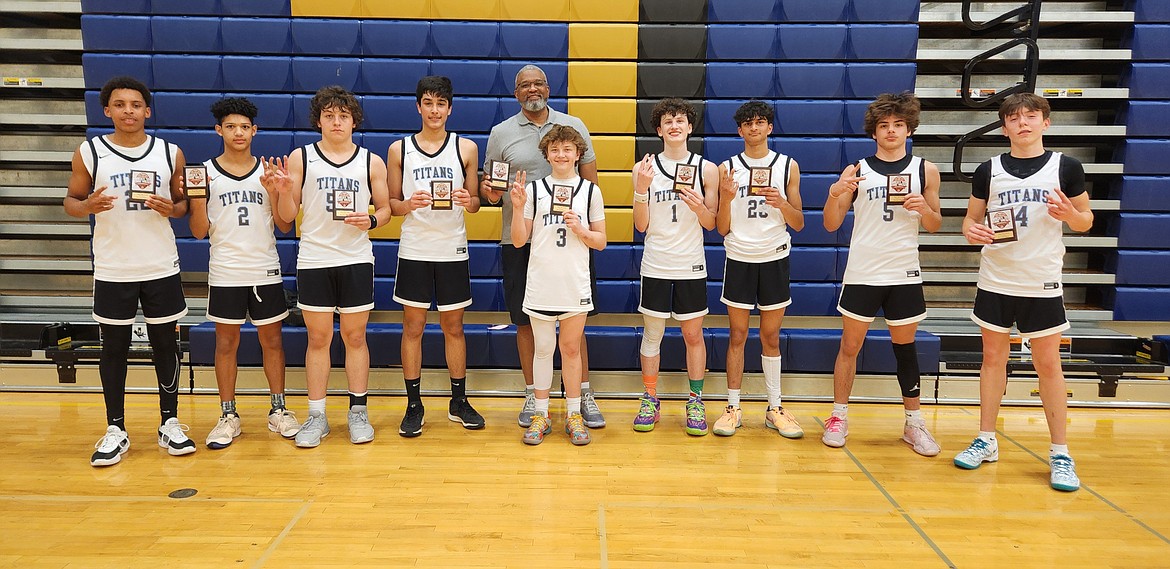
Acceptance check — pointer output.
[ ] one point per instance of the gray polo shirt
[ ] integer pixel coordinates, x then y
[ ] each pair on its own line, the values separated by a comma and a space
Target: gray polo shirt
517, 142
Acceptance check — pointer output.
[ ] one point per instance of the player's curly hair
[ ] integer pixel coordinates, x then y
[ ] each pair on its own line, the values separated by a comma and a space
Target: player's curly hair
1017, 102
904, 105
233, 106
672, 106
334, 96
562, 133
752, 110
123, 82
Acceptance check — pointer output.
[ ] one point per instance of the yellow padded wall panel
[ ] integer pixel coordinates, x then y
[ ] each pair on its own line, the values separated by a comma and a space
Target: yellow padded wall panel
603, 10
603, 41
606, 115
398, 9
619, 225
603, 79
614, 152
617, 188
527, 10
392, 230
485, 224
464, 9
327, 8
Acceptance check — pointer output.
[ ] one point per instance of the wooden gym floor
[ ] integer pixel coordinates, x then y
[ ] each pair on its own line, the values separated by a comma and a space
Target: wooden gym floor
456, 498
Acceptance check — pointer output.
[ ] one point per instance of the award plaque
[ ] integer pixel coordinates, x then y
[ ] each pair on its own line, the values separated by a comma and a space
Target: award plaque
759, 179
897, 188
344, 203
498, 174
195, 182
684, 177
441, 195
1003, 224
141, 185
562, 199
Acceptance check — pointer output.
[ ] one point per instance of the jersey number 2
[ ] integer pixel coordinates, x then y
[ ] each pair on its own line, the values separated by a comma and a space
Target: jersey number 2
243, 216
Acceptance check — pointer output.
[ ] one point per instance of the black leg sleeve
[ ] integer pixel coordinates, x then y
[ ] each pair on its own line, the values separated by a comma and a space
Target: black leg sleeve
166, 366
112, 369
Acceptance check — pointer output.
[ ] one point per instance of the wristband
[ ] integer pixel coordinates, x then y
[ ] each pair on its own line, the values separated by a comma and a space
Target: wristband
641, 198
373, 222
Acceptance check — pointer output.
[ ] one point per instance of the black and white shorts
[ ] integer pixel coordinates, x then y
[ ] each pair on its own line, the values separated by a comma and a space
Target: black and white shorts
349, 288
681, 299
262, 304
117, 303
550, 316
1034, 317
748, 285
514, 264
900, 304
447, 284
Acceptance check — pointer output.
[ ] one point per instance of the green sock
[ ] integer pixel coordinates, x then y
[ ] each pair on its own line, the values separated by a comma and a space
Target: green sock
696, 387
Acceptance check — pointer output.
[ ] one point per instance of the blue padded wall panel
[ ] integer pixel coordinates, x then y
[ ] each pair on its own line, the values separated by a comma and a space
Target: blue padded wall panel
471, 77
721, 147
811, 350
814, 188
1147, 10
255, 36
619, 296
719, 116
1147, 118
385, 257
733, 42
187, 73
391, 113
743, 10
741, 80
1137, 193
194, 254
889, 42
1148, 81
854, 149
115, 6
272, 143
465, 39
886, 11
1150, 42
198, 145
190, 110
810, 80
1140, 230
821, 155
557, 73
877, 353
814, 232
257, 8
794, 116
393, 76
855, 117
813, 41
814, 11
868, 80
184, 34
396, 38
814, 264
1144, 156
312, 73
181, 228
185, 7
95, 114
525, 40
814, 299
1139, 267
257, 73
326, 36
484, 259
115, 33
1141, 303
272, 110
474, 114
379, 142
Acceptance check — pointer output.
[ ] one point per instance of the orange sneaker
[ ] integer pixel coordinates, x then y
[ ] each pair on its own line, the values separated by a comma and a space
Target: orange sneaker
731, 420
780, 419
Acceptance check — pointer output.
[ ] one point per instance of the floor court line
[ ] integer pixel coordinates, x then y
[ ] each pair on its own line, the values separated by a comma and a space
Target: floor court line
280, 536
601, 536
81, 498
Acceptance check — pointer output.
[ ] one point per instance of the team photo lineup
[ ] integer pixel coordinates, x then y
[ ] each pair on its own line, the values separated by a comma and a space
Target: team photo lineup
539, 167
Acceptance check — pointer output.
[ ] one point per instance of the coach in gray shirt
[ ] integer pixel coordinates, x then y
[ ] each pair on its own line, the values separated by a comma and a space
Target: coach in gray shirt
516, 141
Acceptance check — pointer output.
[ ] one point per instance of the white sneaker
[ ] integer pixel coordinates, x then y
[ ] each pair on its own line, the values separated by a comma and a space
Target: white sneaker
919, 438
836, 429
284, 422
226, 429
1064, 473
110, 447
979, 452
172, 436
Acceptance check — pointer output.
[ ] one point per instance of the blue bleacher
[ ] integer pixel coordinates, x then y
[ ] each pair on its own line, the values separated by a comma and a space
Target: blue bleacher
814, 233
886, 11
743, 10
100, 68
115, 33
822, 155
393, 76
115, 6
1149, 42
813, 41
181, 228
1147, 80
272, 143
557, 73
478, 114
312, 73
1144, 156
1147, 118
736, 42
889, 42
198, 145
257, 73
187, 7
868, 80
1141, 193
391, 113
185, 34
314, 36
255, 36
721, 147
95, 114
273, 111
1147, 268
1140, 230
855, 116
396, 38
1149, 10
877, 354
190, 110
274, 8
719, 116
186, 72
811, 80
741, 80
814, 189
194, 254
815, 11
1139, 303
794, 116
472, 77
529, 40
379, 142
465, 39
854, 149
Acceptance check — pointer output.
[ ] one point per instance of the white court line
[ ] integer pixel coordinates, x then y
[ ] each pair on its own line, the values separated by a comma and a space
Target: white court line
280, 537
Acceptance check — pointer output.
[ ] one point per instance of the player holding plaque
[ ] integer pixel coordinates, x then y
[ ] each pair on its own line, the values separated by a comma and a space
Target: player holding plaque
684, 177
432, 180
134, 257
673, 214
1020, 281
335, 260
562, 199
1003, 225
759, 200
344, 204
142, 185
883, 271
195, 182
243, 270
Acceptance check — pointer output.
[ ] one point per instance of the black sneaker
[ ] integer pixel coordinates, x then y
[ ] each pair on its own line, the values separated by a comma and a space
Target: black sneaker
461, 411
412, 423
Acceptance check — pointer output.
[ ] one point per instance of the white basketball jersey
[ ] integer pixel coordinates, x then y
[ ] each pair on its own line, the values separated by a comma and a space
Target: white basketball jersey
324, 241
758, 231
243, 246
131, 243
427, 234
1030, 266
558, 269
883, 250
674, 239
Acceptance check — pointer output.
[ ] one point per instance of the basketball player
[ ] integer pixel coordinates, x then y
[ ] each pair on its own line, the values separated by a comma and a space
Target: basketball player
558, 283
891, 193
335, 261
244, 270
432, 253
1029, 193
516, 141
759, 199
673, 213
131, 183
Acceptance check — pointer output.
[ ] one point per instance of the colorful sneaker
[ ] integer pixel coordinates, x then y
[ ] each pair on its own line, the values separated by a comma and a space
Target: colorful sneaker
1064, 473
312, 431
529, 409
226, 429
648, 413
412, 422
172, 436
731, 420
919, 438
575, 428
780, 419
696, 417
590, 411
979, 452
460, 411
360, 429
110, 447
536, 431
284, 422
836, 429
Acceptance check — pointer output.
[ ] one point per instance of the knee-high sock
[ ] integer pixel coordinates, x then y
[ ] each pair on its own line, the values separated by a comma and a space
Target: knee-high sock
166, 367
112, 368
771, 367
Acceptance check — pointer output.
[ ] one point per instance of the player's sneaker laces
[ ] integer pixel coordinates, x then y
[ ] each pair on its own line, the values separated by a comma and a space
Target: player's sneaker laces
920, 439
648, 412
360, 429
461, 411
315, 428
575, 428
536, 431
110, 447
836, 429
412, 421
284, 422
780, 419
979, 452
590, 412
696, 417
1064, 473
528, 410
731, 420
173, 437
226, 429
